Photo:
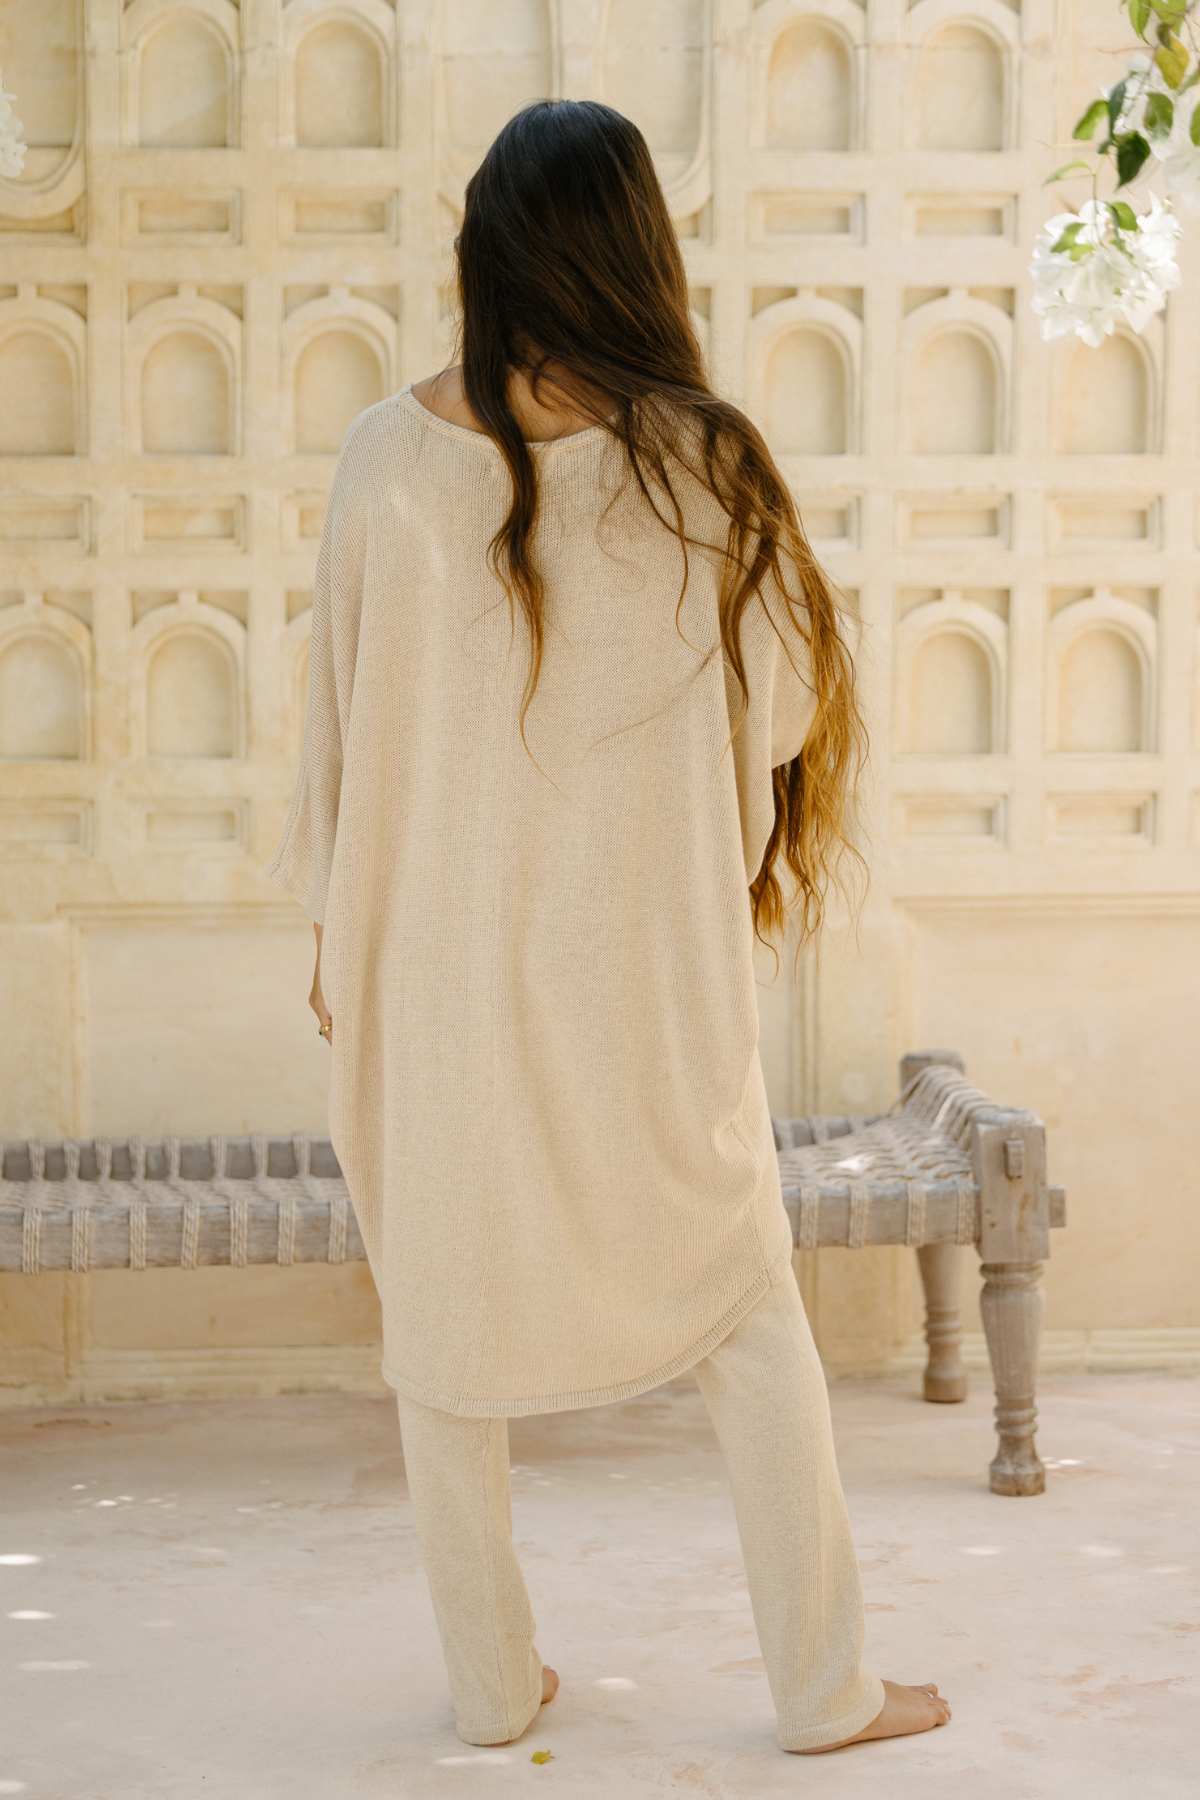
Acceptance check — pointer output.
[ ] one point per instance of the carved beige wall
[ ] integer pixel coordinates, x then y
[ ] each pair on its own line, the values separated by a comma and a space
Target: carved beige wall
232, 233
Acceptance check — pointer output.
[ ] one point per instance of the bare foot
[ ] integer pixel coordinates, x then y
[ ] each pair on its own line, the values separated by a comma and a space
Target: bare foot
905, 1710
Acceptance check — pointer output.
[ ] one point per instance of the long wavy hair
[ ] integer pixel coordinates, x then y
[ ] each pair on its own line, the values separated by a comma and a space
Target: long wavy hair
569, 270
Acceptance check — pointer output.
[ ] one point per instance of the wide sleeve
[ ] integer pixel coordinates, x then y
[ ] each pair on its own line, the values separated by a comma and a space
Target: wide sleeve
303, 858
779, 711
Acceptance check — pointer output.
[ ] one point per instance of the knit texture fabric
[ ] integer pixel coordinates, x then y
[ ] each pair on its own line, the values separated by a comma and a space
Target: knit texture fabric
765, 1392
545, 1088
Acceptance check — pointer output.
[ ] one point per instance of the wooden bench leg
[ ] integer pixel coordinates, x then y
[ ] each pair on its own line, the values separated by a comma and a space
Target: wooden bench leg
1012, 1304
941, 1268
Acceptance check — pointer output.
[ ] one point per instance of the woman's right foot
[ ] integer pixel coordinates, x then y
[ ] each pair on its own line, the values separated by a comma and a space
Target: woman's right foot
904, 1711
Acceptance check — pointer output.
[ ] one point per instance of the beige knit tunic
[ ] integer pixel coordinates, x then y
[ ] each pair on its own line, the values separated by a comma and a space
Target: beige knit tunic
545, 1087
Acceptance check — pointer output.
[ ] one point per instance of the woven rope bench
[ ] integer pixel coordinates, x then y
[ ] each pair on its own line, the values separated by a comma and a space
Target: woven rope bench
945, 1167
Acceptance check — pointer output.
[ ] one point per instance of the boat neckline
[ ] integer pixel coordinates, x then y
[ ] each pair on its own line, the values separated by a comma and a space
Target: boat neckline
584, 435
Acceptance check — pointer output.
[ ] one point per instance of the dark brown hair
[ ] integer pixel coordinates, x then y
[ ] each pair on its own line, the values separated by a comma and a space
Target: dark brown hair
569, 269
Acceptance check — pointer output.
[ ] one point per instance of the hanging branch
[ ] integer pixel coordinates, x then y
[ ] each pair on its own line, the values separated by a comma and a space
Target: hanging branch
1106, 264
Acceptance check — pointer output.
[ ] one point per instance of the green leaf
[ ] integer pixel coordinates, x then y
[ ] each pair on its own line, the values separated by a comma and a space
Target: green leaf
542, 1756
1067, 236
1139, 14
1160, 114
1132, 151
1194, 128
1114, 103
1066, 170
1086, 124
1171, 58
1171, 11
1124, 214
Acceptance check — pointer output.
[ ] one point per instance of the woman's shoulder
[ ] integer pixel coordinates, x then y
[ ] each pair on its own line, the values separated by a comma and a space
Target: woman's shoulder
372, 427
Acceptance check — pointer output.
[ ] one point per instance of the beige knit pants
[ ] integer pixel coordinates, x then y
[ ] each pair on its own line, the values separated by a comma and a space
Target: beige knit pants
766, 1395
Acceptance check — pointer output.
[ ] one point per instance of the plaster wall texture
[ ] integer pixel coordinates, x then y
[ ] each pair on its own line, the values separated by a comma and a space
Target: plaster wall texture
233, 233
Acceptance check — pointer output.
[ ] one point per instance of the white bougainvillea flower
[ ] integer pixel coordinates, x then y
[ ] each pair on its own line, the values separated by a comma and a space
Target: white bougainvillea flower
1115, 276
12, 148
1153, 249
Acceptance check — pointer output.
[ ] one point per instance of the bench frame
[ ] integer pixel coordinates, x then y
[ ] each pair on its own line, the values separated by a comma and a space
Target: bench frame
982, 1181
979, 1177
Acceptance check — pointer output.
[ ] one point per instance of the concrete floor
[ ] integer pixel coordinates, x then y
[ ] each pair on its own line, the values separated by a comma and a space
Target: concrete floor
223, 1601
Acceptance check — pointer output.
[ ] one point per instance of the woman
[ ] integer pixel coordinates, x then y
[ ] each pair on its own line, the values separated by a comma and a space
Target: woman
566, 729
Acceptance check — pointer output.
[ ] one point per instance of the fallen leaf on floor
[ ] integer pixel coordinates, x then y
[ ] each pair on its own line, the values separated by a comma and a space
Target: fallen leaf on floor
541, 1756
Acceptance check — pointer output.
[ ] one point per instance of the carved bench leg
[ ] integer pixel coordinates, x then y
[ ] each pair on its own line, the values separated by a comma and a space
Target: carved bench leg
941, 1268
1012, 1305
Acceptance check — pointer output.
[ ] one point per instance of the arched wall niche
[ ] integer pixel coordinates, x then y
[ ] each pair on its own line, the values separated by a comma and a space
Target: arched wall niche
810, 89
951, 712
42, 364
951, 676
338, 373
1100, 677
38, 416
1106, 399
339, 357
804, 375
45, 663
808, 400
807, 94
955, 403
42, 64
184, 388
187, 683
185, 398
338, 81
181, 69
955, 373
962, 90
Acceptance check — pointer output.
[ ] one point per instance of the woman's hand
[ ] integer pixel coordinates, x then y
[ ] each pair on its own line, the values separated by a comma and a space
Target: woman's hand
316, 998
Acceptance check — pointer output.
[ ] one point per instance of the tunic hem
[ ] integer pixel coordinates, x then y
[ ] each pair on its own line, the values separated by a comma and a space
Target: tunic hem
566, 1400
